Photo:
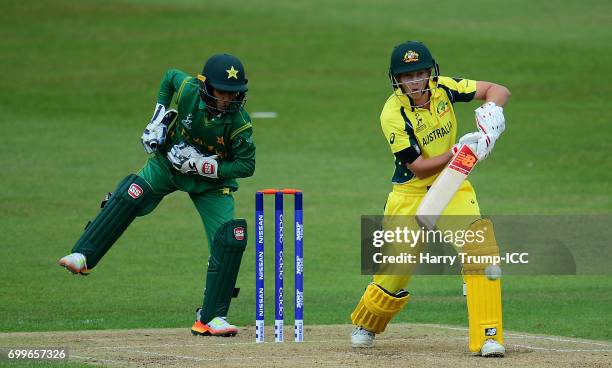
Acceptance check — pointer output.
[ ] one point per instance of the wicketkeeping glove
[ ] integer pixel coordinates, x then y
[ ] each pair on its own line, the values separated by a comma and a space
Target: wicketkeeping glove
490, 120
155, 132
188, 160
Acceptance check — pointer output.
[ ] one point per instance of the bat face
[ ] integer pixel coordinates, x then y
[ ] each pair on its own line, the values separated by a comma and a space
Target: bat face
444, 188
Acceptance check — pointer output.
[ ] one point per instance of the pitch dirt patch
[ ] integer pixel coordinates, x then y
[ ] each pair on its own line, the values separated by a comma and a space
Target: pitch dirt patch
406, 345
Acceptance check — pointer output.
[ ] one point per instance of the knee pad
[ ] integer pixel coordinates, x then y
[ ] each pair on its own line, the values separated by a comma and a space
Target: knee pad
483, 295
377, 307
117, 213
223, 266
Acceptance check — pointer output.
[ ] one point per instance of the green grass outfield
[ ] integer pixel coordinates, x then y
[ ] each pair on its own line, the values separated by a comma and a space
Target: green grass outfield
79, 84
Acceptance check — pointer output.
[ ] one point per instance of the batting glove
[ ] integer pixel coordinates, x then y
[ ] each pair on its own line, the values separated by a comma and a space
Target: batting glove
188, 160
485, 146
490, 120
470, 139
481, 144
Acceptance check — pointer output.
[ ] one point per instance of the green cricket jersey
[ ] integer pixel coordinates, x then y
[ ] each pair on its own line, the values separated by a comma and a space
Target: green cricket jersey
229, 135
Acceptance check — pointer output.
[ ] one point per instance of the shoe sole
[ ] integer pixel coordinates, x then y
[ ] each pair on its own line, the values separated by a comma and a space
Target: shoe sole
208, 333
358, 346
493, 355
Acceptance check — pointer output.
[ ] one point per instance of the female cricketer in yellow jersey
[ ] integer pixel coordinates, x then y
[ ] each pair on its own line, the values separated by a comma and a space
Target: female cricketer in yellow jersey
419, 123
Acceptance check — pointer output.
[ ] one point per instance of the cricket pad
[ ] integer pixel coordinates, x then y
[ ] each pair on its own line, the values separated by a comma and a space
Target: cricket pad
223, 266
377, 307
132, 194
483, 295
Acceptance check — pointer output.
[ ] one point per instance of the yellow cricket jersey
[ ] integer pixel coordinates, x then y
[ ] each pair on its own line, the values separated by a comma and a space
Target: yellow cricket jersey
427, 132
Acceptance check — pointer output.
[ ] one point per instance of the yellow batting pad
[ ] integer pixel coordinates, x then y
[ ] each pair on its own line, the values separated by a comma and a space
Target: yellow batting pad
376, 308
483, 295
484, 310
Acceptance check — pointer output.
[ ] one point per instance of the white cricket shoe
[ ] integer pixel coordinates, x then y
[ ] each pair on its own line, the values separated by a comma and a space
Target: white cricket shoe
362, 338
75, 263
492, 348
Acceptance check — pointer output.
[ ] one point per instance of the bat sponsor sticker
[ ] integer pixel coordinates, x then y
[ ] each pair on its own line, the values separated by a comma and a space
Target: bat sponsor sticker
464, 160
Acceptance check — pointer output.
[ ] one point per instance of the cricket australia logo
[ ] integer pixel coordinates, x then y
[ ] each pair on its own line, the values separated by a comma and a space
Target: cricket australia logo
492, 331
410, 56
442, 108
187, 121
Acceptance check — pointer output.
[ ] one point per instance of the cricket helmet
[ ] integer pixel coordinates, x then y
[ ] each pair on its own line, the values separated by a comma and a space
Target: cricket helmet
411, 56
223, 72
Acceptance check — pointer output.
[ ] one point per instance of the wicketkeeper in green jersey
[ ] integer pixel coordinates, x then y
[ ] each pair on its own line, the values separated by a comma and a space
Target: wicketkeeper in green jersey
200, 148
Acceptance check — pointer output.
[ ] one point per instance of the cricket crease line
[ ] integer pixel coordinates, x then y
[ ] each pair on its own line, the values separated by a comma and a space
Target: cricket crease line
187, 357
562, 350
92, 358
267, 342
192, 358
560, 340
510, 334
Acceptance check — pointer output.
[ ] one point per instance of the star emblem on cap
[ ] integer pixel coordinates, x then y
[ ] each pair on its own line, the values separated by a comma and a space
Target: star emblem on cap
232, 73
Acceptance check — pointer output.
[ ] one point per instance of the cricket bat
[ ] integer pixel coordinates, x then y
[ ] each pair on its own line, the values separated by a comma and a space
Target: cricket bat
444, 187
